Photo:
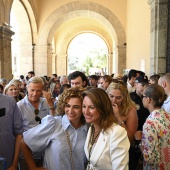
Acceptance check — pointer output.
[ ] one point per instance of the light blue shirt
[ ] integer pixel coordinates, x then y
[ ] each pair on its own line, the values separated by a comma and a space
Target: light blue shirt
166, 105
27, 112
28, 117
50, 137
10, 126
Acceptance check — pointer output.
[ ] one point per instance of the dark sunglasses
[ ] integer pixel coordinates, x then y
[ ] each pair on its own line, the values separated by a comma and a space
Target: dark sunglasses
37, 118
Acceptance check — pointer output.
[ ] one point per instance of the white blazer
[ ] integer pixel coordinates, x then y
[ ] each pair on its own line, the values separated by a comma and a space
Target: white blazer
111, 151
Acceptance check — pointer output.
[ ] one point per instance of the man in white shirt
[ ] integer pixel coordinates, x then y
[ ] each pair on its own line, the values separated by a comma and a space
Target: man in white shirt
131, 80
164, 81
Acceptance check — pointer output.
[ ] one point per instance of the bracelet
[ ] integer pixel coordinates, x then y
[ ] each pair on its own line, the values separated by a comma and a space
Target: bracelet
120, 123
52, 108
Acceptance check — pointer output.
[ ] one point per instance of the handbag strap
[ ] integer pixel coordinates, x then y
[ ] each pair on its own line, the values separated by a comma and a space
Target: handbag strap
70, 150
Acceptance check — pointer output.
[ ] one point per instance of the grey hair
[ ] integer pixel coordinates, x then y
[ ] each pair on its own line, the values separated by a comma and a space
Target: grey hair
35, 79
61, 78
3, 80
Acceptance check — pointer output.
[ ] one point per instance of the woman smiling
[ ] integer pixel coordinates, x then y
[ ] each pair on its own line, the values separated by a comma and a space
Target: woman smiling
62, 137
107, 144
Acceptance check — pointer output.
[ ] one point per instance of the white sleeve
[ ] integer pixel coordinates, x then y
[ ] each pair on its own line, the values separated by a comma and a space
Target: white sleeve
119, 148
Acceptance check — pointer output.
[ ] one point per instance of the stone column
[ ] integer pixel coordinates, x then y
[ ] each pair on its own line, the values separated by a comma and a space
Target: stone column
168, 42
121, 49
49, 60
5, 53
159, 20
40, 60
62, 64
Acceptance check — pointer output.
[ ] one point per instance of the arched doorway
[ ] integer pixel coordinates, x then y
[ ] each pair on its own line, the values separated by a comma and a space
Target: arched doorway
23, 42
87, 52
66, 18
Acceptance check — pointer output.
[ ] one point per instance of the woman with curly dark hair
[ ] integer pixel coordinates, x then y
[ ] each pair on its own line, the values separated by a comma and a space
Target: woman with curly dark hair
61, 137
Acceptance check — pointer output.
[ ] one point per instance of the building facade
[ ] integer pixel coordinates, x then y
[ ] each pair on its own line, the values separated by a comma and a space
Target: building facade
35, 34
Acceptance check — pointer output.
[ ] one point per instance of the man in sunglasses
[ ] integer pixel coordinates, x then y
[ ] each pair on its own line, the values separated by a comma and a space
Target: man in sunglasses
33, 108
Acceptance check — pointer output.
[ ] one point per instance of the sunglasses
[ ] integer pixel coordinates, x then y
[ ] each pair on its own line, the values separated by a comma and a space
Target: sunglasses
119, 82
37, 118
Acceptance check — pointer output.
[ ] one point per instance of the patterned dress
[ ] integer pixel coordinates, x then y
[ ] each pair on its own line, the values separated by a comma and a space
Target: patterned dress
156, 141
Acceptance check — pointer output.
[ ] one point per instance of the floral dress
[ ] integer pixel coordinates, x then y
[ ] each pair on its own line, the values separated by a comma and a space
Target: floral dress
156, 141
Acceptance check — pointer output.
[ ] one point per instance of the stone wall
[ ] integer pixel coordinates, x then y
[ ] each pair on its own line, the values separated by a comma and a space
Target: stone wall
168, 41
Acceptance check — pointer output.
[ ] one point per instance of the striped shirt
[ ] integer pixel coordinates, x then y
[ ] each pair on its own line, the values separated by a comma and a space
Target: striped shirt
50, 137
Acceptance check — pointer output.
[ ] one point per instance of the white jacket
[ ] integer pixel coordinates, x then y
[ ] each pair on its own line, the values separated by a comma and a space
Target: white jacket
111, 151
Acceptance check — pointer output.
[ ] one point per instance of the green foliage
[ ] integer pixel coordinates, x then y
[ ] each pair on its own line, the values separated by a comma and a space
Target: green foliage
95, 59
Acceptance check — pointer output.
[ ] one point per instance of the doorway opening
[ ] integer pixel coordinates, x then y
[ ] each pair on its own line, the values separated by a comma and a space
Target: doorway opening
88, 52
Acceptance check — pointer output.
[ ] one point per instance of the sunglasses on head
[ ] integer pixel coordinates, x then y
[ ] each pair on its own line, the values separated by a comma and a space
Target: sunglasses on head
119, 82
37, 118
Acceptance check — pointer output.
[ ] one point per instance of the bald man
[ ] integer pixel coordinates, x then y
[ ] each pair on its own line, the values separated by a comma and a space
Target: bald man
164, 81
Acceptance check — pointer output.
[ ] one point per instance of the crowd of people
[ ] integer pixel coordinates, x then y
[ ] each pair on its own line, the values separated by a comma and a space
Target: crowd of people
80, 122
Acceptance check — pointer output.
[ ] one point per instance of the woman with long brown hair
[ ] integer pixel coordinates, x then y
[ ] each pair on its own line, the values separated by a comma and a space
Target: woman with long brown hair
107, 144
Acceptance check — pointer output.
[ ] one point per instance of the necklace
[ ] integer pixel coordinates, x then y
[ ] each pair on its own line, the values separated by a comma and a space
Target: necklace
93, 139
70, 150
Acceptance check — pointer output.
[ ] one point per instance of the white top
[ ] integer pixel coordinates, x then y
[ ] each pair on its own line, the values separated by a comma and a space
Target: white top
166, 105
111, 151
130, 87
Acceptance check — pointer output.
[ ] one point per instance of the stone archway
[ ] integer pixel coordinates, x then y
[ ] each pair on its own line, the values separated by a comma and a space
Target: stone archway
25, 37
61, 50
32, 15
74, 10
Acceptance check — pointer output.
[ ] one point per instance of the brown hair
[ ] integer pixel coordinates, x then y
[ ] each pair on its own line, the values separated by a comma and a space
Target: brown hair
103, 104
107, 78
155, 78
156, 93
66, 96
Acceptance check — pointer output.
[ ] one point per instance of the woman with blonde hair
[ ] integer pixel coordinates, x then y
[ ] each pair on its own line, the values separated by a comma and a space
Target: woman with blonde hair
11, 90
18, 84
107, 144
124, 108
